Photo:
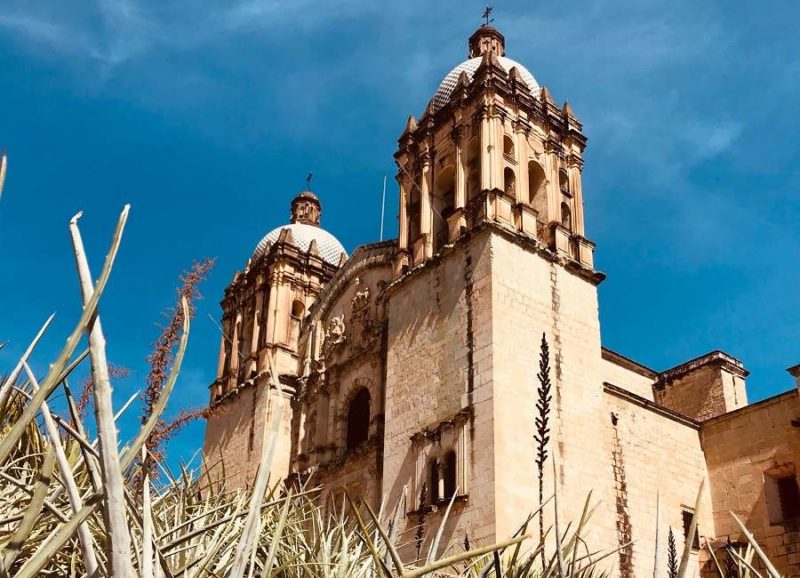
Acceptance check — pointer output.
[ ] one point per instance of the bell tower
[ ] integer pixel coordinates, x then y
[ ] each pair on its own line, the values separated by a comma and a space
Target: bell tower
492, 145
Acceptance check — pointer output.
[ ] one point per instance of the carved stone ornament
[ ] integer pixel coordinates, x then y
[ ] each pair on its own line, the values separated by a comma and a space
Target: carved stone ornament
361, 319
334, 335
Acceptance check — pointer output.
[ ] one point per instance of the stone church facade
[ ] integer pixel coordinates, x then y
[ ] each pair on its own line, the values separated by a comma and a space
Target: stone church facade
409, 367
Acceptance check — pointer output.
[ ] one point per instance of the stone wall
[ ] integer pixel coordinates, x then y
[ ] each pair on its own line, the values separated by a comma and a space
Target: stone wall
747, 451
236, 432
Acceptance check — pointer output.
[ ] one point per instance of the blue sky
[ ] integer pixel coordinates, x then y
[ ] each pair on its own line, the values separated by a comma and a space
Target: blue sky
206, 117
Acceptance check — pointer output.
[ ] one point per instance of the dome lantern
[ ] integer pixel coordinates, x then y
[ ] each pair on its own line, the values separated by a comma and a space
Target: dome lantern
486, 39
306, 209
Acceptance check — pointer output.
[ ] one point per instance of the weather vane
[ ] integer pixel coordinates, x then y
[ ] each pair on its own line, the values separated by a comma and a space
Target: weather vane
308, 181
487, 15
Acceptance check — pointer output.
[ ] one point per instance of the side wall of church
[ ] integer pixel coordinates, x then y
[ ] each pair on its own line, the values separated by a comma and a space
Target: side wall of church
654, 459
439, 362
747, 452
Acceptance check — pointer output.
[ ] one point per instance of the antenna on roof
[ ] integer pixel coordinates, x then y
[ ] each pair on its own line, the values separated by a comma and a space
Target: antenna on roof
383, 205
487, 15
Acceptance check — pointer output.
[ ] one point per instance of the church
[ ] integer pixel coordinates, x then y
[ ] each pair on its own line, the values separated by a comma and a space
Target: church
408, 369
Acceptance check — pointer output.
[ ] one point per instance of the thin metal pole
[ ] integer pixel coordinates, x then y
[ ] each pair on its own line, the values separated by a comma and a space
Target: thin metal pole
383, 205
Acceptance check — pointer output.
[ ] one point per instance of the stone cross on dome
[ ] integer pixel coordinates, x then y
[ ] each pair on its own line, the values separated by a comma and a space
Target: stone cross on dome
487, 13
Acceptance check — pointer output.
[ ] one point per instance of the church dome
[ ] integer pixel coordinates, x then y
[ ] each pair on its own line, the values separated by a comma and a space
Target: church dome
448, 85
329, 247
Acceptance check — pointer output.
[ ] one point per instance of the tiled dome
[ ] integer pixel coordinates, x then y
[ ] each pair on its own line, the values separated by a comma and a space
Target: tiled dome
450, 81
330, 249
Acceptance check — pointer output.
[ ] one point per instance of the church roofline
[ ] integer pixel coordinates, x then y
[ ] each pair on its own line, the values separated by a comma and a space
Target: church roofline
751, 407
620, 392
628, 363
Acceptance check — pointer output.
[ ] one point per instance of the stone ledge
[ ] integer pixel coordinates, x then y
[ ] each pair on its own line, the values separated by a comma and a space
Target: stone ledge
650, 405
716, 358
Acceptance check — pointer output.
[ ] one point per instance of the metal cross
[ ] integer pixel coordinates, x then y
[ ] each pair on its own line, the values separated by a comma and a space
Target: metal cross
487, 15
308, 181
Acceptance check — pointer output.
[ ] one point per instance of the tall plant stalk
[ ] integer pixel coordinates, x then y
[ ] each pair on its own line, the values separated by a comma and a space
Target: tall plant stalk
542, 422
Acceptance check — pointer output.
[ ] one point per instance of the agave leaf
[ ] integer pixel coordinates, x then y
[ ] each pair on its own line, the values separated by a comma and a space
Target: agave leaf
32, 512
5, 388
714, 558
73, 493
56, 540
460, 557
771, 571
119, 539
434, 548
277, 535
54, 376
687, 546
248, 540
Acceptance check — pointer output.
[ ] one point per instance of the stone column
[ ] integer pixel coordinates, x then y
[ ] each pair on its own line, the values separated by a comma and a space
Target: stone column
553, 189
522, 163
426, 212
574, 172
253, 345
221, 358
273, 301
461, 168
485, 156
403, 224
235, 346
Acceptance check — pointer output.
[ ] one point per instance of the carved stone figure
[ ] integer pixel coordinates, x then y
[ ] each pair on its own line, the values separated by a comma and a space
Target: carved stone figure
361, 318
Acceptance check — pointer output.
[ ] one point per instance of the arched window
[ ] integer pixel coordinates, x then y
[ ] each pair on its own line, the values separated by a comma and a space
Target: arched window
536, 183
414, 214
510, 182
449, 475
444, 195
433, 468
566, 216
296, 316
473, 168
563, 182
508, 146
442, 476
358, 419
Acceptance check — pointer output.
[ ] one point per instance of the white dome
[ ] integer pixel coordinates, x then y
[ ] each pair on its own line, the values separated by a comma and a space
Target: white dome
330, 249
450, 81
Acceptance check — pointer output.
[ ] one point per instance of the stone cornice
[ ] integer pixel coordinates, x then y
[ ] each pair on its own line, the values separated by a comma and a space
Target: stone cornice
526, 242
627, 363
650, 405
715, 358
363, 258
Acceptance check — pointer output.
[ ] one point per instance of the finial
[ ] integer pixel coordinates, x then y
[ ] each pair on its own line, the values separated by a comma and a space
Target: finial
308, 181
487, 13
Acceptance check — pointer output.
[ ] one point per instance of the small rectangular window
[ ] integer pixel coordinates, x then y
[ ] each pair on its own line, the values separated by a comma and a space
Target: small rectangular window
687, 525
790, 497
783, 494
